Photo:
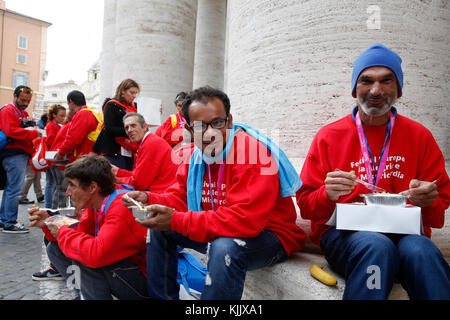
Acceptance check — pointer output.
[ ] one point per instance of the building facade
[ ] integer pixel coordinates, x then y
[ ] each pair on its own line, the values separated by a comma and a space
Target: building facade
57, 93
23, 47
285, 64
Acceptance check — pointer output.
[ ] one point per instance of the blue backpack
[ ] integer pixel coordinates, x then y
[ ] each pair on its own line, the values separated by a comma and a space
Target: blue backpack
191, 272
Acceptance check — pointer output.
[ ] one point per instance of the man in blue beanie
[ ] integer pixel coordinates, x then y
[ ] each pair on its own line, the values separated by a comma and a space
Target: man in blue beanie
376, 144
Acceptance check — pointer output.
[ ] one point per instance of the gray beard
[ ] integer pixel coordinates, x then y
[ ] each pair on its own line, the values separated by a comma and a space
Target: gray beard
374, 111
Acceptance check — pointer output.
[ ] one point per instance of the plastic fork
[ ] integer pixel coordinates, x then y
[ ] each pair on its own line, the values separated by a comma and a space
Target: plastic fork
368, 185
140, 207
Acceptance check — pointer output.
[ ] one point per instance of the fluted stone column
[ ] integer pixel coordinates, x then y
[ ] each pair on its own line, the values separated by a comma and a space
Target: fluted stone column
108, 50
289, 63
210, 43
154, 45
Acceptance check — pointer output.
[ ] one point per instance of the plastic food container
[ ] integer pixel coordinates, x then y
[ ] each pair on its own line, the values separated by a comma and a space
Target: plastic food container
61, 219
385, 199
140, 213
70, 212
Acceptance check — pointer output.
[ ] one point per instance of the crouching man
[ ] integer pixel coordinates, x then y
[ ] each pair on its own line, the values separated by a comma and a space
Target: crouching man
107, 246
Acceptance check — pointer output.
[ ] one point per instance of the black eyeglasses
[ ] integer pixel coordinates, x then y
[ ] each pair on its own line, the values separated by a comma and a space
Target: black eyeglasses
25, 90
215, 124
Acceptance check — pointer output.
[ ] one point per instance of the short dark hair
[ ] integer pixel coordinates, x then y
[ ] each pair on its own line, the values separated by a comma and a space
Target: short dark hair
204, 94
180, 97
140, 117
77, 97
18, 90
89, 168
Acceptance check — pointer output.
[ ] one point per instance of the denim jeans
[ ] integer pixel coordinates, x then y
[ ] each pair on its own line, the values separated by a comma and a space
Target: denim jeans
229, 259
49, 189
15, 167
371, 262
59, 199
123, 280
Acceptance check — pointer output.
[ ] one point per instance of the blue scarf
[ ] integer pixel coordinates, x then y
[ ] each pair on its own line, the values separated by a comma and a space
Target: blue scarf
289, 179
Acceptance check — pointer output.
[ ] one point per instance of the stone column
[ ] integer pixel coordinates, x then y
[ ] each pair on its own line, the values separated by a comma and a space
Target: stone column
210, 43
108, 50
290, 63
154, 45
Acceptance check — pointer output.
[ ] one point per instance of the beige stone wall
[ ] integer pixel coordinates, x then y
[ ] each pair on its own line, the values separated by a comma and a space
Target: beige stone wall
289, 63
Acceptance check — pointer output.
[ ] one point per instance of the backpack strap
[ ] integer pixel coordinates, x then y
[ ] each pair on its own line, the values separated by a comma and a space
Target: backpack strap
111, 198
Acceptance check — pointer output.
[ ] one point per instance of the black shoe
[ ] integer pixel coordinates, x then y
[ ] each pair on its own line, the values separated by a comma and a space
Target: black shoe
26, 201
40, 199
49, 274
15, 228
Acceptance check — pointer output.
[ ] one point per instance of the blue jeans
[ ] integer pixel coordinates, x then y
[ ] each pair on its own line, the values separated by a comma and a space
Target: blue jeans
229, 259
49, 188
122, 279
15, 167
371, 262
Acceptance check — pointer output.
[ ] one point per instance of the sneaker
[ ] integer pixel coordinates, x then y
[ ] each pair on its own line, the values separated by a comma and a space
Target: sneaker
16, 228
40, 199
49, 274
26, 201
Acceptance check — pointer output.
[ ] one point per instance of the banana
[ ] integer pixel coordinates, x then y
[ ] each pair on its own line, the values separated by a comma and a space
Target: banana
324, 277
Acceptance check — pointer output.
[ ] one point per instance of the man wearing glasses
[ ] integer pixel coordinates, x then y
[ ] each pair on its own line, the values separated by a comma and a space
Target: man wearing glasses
226, 202
15, 155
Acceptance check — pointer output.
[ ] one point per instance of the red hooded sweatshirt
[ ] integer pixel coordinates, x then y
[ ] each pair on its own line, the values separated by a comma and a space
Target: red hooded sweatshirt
246, 201
154, 167
119, 237
413, 154
10, 121
76, 142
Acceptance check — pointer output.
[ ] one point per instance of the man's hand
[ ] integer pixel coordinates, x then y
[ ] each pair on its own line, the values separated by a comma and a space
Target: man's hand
339, 183
159, 219
58, 157
421, 193
37, 217
139, 196
54, 228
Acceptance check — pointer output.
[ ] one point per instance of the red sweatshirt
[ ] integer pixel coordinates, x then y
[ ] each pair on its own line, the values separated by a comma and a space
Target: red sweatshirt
413, 154
154, 168
247, 202
172, 130
51, 130
10, 124
119, 237
76, 142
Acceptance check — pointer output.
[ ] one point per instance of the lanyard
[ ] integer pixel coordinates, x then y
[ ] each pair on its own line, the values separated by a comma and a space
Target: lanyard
219, 184
365, 149
100, 214
182, 120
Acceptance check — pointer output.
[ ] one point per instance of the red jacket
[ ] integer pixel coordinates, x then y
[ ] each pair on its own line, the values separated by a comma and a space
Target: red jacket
413, 154
10, 124
154, 169
119, 237
247, 202
51, 130
172, 129
76, 142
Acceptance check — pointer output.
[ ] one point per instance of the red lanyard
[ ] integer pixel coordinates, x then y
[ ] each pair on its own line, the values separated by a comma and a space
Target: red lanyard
365, 149
219, 184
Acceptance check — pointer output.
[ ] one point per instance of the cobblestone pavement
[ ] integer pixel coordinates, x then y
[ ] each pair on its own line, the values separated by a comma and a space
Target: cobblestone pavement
21, 255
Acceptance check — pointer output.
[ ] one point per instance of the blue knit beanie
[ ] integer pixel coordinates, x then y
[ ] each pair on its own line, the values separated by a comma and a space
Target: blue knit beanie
378, 55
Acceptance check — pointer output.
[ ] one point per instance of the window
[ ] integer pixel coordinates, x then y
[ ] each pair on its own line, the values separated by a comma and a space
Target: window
21, 58
22, 42
20, 79
54, 95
